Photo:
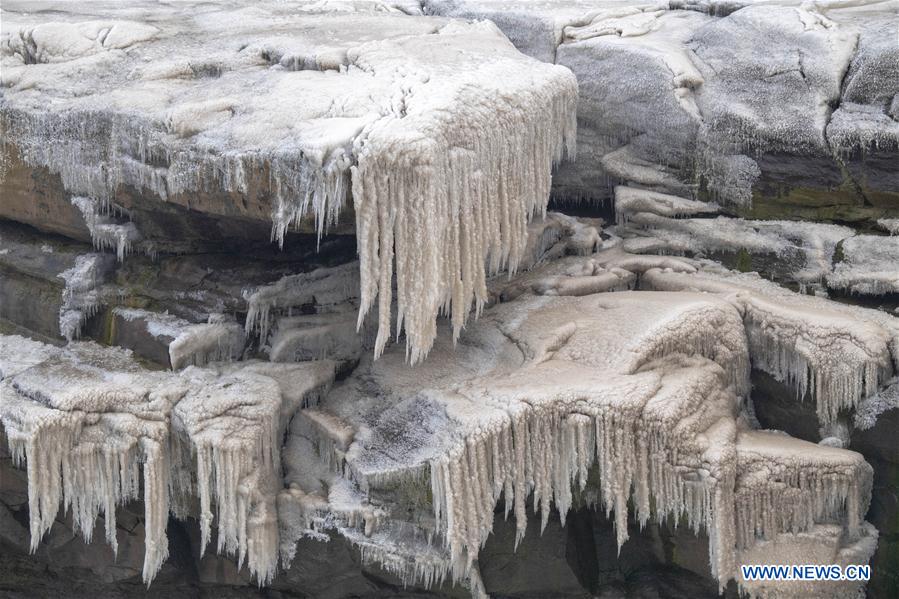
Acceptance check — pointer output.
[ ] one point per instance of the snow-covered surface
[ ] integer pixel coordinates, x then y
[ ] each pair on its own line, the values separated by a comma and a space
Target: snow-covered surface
870, 266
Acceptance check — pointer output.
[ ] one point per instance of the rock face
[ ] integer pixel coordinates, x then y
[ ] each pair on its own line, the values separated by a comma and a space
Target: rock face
202, 203
775, 111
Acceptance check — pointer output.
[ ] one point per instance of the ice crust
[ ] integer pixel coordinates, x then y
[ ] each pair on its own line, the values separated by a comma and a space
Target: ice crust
805, 251
105, 232
572, 386
837, 353
468, 128
555, 395
82, 295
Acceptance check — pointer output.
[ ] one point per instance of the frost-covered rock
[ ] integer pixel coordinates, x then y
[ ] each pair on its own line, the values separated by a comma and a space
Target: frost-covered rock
870, 266
717, 93
837, 353
633, 200
803, 251
775, 70
82, 295
889, 224
105, 232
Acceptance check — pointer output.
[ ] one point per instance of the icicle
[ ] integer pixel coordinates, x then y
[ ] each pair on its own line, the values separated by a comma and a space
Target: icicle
81, 297
105, 233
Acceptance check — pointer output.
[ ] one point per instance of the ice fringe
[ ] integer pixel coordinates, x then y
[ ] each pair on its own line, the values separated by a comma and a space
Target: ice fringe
469, 151
323, 288
200, 344
87, 421
647, 402
81, 296
870, 266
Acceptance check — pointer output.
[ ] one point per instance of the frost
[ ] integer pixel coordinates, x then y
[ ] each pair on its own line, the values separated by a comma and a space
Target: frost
641, 387
870, 409
328, 289
61, 42
199, 344
889, 224
631, 200
218, 340
314, 337
469, 138
805, 250
870, 266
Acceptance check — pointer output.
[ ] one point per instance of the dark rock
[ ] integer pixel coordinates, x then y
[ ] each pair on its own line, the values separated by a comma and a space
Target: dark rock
880, 447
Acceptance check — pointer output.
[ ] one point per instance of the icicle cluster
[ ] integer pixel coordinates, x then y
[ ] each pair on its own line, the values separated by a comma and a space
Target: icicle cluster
105, 233
621, 399
93, 429
786, 485
322, 287
839, 354
200, 344
456, 203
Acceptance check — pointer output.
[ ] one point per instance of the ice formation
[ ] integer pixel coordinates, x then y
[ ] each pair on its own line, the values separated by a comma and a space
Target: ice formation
610, 365
632, 200
105, 233
82, 294
644, 387
328, 289
94, 428
889, 224
805, 249
839, 354
469, 149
